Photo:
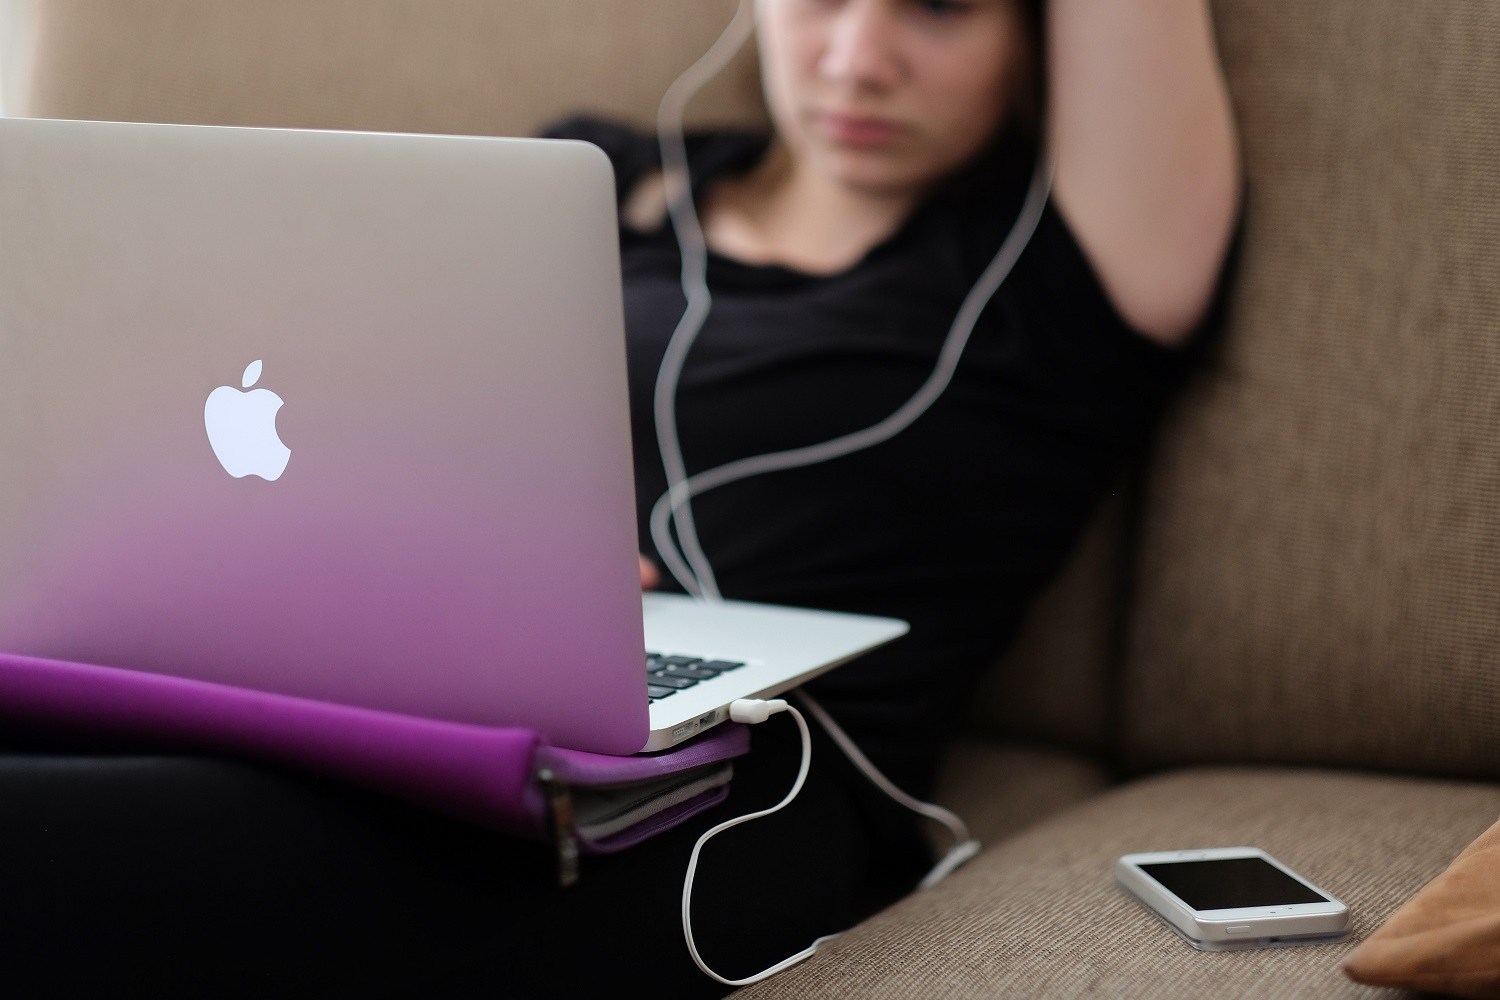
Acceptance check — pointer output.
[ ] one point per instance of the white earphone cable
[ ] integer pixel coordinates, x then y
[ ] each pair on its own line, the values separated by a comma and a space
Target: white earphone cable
690, 565
691, 568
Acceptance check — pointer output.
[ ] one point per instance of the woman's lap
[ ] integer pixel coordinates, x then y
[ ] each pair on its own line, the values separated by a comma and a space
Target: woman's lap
194, 876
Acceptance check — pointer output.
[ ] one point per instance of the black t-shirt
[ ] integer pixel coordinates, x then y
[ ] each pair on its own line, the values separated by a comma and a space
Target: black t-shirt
955, 523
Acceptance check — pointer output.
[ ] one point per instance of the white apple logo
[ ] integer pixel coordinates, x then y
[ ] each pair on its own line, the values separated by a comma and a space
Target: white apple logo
242, 429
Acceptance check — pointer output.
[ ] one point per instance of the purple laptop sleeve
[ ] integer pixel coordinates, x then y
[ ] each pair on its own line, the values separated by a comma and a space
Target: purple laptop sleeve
481, 774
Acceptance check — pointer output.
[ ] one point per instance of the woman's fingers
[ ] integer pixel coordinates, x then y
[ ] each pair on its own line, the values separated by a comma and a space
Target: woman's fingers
650, 576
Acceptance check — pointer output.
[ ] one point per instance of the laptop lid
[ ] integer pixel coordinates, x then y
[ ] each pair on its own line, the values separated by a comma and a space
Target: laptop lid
341, 415
415, 495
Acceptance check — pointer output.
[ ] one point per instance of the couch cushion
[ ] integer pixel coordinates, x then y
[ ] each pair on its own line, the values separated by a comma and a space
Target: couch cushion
998, 789
1040, 915
1054, 683
462, 66
1320, 561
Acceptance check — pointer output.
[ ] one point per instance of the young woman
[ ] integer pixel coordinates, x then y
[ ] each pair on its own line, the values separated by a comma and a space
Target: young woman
904, 136
841, 244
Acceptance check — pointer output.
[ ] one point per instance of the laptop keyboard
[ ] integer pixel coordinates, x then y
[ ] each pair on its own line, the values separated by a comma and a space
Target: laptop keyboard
666, 675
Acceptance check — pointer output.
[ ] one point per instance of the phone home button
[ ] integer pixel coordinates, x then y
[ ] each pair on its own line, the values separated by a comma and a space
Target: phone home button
1237, 929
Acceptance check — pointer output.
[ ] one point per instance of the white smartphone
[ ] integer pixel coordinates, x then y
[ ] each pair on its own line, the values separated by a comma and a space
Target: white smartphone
1223, 898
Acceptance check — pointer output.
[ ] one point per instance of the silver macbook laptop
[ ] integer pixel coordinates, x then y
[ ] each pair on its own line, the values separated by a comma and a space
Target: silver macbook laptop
343, 415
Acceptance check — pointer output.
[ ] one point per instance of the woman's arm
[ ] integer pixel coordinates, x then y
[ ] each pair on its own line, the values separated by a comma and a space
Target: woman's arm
1145, 153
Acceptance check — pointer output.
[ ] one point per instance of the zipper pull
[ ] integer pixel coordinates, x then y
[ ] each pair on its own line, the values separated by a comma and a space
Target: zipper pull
560, 811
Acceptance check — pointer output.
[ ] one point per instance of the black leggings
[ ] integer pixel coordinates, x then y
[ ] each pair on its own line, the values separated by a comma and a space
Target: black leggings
185, 876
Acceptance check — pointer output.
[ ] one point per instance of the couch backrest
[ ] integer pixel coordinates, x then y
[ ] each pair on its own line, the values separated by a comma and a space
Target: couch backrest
1319, 579
484, 67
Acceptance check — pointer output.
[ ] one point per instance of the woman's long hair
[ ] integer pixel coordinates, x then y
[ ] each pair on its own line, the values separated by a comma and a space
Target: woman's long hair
1029, 97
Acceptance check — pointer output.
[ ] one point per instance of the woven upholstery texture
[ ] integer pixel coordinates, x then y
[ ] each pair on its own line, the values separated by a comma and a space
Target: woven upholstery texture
998, 789
1054, 685
1319, 578
484, 67
1039, 915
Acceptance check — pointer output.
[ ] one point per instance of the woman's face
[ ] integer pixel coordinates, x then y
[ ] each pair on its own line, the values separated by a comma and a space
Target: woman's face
888, 96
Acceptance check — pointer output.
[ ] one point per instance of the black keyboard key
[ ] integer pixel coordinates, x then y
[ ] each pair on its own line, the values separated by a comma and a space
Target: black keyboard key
659, 691
718, 666
715, 667
680, 661
667, 680
693, 672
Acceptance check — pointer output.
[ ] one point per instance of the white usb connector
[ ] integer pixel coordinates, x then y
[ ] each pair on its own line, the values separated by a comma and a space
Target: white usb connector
755, 710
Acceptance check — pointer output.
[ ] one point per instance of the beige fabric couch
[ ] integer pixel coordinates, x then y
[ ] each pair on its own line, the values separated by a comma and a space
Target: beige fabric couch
1283, 631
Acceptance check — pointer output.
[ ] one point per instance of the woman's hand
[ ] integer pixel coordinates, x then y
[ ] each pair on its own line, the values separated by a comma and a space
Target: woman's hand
650, 575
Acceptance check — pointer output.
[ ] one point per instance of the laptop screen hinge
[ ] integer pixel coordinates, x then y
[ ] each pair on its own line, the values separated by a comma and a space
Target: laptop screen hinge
560, 813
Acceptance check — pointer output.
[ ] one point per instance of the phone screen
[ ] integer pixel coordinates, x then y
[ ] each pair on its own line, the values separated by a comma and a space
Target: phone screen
1229, 883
